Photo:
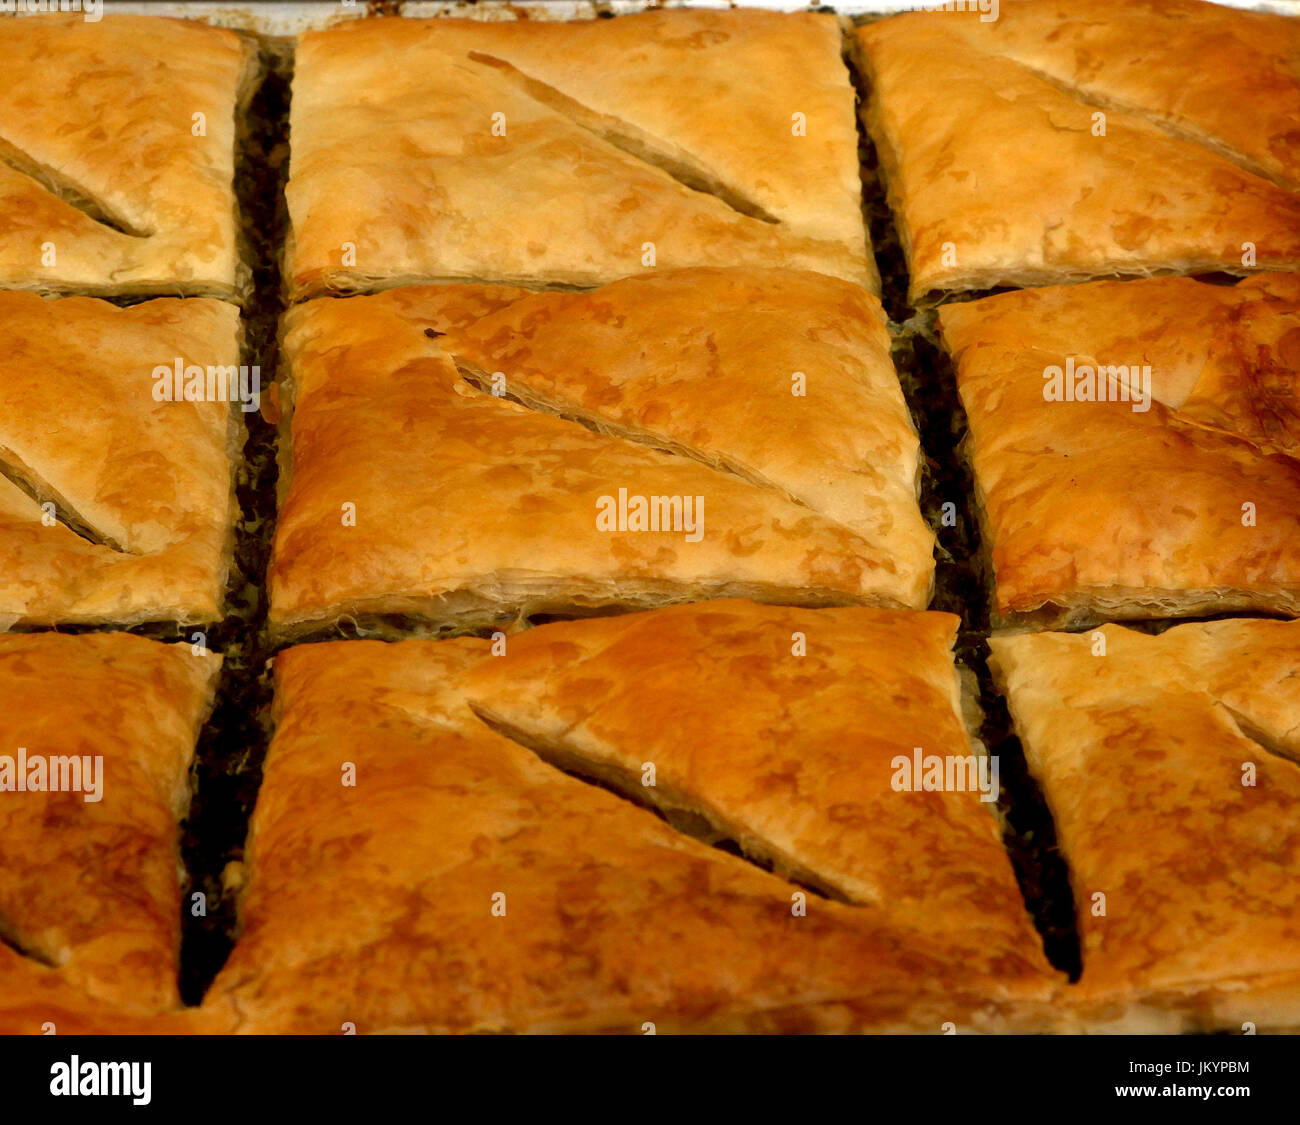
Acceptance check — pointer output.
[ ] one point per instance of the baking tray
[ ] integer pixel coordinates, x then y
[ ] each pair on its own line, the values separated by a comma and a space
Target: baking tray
291, 17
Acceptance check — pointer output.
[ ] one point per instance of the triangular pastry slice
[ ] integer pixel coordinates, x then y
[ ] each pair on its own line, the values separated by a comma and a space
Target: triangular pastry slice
795, 733
781, 376
1134, 446
408, 490
1222, 76
571, 153
117, 160
97, 732
410, 870
1171, 765
1019, 182
118, 505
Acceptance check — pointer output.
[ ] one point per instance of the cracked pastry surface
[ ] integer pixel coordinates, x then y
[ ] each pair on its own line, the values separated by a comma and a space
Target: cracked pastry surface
89, 892
104, 185
551, 153
142, 491
374, 904
1093, 510
1170, 765
1162, 190
470, 509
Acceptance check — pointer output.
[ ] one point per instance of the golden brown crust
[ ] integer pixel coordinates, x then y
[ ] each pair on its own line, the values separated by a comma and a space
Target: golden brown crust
1170, 765
99, 161
1224, 77
1095, 510
36, 1000
89, 888
383, 421
1064, 203
804, 774
373, 904
705, 362
147, 484
405, 166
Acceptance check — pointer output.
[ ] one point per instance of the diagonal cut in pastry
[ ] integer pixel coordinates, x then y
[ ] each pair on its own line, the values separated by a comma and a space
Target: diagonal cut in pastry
1105, 492
96, 736
115, 505
792, 732
117, 155
458, 883
752, 371
1021, 176
1226, 78
411, 489
1171, 765
572, 153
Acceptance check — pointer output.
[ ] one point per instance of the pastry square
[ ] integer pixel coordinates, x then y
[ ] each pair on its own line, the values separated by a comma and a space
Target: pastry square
1135, 446
96, 736
117, 155
690, 434
1161, 139
410, 869
117, 506
572, 153
1170, 766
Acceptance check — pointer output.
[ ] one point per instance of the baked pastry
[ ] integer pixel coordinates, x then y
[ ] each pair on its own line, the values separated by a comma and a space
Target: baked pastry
804, 776
1188, 66
1169, 765
461, 884
97, 734
116, 506
1083, 148
1174, 489
415, 486
549, 153
36, 1000
809, 774
702, 363
117, 161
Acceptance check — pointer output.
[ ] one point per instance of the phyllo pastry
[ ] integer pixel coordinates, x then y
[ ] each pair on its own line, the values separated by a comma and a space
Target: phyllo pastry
690, 434
1050, 145
816, 774
411, 868
120, 433
1134, 446
117, 155
96, 737
572, 153
1170, 766
38, 1000
1185, 65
